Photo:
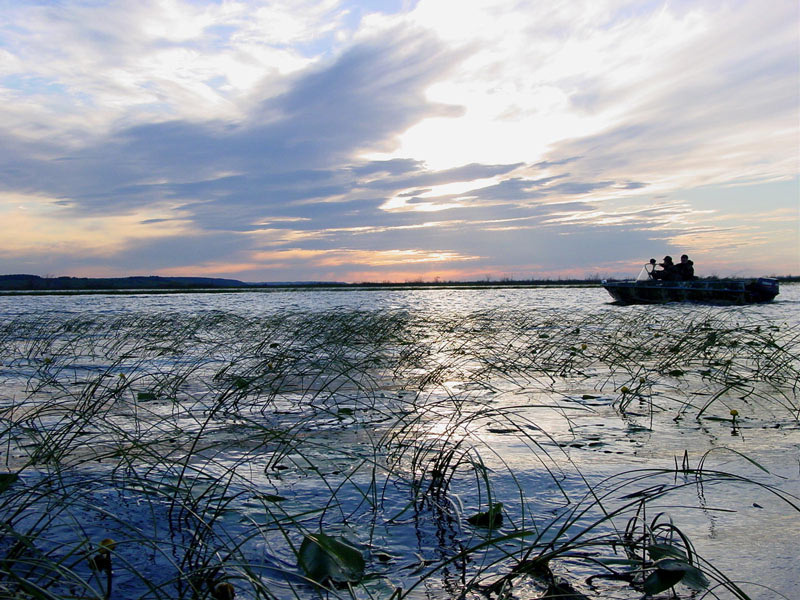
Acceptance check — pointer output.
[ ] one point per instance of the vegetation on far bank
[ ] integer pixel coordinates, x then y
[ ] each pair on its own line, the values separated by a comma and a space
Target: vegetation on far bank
22, 283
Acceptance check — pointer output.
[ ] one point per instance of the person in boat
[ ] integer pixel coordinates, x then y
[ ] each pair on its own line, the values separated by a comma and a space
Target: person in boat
685, 268
668, 272
651, 268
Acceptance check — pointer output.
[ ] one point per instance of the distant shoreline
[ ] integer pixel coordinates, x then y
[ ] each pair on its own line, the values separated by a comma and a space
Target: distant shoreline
14, 285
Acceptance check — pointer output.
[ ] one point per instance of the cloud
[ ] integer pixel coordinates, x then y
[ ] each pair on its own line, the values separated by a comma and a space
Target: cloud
369, 94
251, 129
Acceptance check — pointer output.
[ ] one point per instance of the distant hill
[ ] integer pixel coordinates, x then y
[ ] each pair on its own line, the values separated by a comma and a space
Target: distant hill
152, 282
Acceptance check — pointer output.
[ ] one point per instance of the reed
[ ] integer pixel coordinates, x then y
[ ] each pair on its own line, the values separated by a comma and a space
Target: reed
223, 453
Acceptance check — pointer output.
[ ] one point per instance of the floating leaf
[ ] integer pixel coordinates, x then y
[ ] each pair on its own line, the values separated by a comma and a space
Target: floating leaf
223, 591
670, 571
561, 588
661, 580
659, 551
491, 518
691, 576
145, 396
271, 498
6, 479
323, 557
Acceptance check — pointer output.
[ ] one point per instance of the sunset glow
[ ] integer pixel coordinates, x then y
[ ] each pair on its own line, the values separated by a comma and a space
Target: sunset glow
359, 141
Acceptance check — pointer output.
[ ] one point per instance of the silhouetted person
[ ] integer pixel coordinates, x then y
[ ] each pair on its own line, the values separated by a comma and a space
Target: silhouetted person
668, 272
685, 269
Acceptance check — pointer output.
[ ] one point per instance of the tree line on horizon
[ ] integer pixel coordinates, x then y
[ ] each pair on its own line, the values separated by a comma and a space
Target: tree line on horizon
25, 282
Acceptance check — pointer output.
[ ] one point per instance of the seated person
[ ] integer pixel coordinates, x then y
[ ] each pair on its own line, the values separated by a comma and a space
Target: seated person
668, 272
651, 268
647, 271
685, 269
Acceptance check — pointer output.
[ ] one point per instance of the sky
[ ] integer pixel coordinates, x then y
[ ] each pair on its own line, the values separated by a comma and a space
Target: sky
398, 140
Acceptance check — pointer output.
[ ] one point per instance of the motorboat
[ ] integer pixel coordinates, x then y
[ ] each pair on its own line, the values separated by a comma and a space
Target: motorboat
645, 289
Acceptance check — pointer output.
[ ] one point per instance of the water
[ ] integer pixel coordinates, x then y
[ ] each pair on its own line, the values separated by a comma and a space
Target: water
308, 300
437, 301
174, 422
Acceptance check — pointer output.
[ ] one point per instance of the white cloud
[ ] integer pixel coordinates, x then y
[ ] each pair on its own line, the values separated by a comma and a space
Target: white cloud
125, 63
542, 74
247, 116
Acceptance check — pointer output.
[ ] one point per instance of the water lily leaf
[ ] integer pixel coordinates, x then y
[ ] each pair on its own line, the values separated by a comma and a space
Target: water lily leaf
659, 551
560, 588
323, 557
271, 498
660, 580
491, 518
6, 479
692, 576
671, 569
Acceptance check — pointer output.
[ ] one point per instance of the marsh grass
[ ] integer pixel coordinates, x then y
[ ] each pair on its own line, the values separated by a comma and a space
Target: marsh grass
210, 446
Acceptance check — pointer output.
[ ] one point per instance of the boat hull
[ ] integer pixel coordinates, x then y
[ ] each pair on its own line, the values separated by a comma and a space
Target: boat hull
710, 291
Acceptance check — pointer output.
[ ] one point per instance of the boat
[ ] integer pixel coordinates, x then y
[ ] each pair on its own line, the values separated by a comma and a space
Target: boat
647, 290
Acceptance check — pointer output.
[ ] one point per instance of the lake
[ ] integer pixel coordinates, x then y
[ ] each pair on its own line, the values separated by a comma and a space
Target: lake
414, 443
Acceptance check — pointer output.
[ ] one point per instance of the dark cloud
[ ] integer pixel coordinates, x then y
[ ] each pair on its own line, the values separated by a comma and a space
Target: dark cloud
580, 187
633, 185
358, 102
394, 167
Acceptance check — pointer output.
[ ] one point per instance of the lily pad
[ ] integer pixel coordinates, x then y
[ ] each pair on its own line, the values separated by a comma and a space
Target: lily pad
491, 518
660, 580
659, 551
271, 498
326, 558
6, 479
670, 571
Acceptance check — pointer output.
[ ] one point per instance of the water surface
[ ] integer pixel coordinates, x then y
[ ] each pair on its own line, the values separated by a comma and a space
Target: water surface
214, 430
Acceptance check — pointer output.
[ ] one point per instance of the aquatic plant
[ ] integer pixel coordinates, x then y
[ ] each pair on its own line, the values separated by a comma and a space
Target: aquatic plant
364, 453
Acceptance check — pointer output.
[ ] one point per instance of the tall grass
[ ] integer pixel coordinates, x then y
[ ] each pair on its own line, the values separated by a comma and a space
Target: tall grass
210, 446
